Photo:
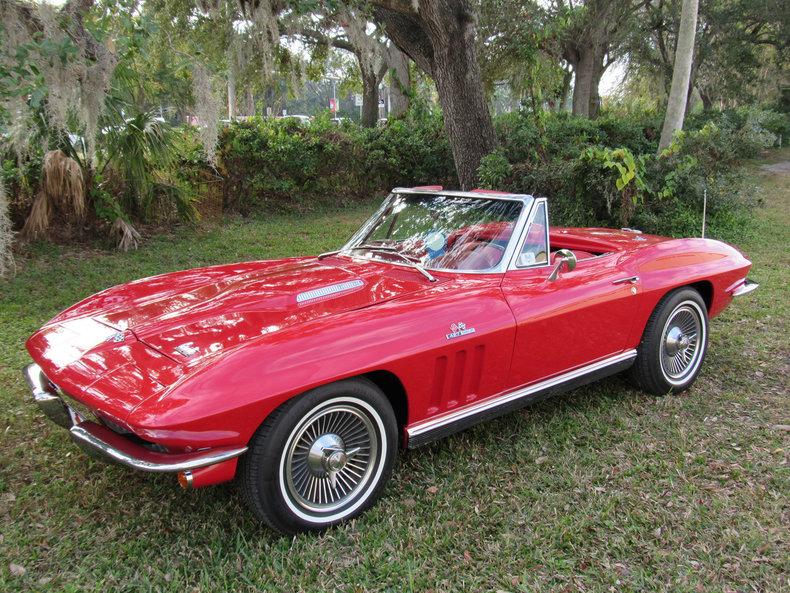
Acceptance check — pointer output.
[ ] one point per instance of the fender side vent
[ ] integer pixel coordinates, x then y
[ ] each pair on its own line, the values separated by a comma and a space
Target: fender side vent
326, 291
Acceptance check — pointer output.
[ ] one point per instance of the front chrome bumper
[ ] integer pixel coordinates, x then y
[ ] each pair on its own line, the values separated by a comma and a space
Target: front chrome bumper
744, 288
98, 440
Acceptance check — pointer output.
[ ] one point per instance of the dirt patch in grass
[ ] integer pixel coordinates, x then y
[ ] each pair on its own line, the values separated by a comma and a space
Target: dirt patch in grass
782, 168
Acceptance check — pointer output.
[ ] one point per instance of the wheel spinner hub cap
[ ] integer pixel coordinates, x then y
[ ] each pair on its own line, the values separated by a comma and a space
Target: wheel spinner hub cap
676, 341
682, 346
330, 458
327, 454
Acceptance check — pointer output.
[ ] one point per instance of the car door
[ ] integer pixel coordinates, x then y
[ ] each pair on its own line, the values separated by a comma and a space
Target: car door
583, 316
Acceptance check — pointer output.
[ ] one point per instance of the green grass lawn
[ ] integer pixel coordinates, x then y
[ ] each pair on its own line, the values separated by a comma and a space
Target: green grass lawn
604, 489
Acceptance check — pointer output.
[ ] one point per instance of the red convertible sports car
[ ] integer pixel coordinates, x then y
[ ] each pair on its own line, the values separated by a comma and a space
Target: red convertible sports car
302, 377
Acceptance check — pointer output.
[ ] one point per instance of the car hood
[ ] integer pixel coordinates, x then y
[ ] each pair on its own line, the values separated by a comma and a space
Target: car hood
188, 316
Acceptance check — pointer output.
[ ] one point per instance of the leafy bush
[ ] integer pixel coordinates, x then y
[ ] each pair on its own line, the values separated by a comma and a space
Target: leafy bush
21, 182
494, 169
409, 151
605, 172
750, 129
283, 164
601, 172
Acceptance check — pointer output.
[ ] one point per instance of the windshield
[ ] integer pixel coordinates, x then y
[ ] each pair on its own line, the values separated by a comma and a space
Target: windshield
440, 232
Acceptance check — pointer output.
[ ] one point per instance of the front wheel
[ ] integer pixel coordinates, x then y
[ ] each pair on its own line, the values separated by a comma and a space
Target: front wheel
321, 458
673, 345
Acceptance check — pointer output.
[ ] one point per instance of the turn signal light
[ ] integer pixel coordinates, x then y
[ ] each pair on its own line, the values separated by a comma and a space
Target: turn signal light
185, 479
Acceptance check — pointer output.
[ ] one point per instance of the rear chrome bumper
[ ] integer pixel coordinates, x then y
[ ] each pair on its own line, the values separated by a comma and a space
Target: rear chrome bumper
100, 441
744, 288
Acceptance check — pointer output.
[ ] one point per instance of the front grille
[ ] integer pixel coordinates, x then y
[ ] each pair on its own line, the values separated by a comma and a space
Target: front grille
90, 414
78, 406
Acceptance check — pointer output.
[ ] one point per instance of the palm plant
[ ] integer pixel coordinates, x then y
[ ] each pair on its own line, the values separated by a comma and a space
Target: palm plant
139, 151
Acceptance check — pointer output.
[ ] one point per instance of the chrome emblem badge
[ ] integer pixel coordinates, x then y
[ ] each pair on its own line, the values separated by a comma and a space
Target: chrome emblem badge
459, 329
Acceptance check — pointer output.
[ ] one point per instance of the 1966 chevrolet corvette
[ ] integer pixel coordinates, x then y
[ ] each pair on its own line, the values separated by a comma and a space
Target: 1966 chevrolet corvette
302, 377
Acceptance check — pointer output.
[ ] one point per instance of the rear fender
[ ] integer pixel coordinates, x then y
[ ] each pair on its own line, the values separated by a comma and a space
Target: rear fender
667, 266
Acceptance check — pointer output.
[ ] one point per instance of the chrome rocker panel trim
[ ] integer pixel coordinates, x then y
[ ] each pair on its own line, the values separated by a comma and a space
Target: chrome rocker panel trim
100, 441
451, 422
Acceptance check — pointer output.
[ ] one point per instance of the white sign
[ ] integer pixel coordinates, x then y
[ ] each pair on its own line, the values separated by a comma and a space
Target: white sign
357, 100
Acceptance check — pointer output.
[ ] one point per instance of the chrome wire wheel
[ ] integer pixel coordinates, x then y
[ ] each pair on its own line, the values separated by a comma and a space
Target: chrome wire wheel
682, 343
332, 459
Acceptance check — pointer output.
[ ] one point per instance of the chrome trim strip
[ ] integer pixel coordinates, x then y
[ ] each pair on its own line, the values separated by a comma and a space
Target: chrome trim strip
324, 291
745, 288
84, 437
525, 198
497, 401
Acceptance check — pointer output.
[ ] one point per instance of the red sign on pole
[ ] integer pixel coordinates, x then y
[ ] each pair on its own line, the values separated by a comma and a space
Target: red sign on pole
333, 105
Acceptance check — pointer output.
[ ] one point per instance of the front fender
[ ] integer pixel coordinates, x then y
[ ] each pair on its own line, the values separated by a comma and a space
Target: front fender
405, 337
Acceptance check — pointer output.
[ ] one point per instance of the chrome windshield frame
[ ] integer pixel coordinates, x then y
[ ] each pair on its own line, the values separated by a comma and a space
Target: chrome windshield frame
526, 208
513, 264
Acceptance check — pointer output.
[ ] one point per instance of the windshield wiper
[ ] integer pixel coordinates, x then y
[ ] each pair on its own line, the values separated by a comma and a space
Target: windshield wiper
379, 247
394, 251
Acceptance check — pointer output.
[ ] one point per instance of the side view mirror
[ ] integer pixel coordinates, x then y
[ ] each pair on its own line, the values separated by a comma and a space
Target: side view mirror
564, 257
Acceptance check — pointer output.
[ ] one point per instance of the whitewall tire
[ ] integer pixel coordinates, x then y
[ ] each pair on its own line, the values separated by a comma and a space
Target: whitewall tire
321, 458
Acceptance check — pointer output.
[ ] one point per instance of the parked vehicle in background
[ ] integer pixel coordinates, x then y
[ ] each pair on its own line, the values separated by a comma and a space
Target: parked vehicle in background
303, 119
302, 377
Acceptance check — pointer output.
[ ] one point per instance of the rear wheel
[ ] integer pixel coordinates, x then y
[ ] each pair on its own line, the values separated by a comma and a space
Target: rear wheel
674, 344
321, 458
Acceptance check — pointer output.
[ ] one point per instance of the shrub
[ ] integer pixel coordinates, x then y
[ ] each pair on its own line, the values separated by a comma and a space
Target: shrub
601, 172
409, 151
605, 172
494, 169
282, 164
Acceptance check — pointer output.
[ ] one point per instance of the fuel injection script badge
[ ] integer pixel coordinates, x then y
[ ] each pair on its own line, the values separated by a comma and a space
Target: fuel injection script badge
459, 329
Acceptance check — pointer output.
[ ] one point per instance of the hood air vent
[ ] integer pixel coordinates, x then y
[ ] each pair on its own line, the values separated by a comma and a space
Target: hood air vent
326, 291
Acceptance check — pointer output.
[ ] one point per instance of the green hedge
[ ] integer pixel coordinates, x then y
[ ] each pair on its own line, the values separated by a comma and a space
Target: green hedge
594, 172
606, 172
282, 164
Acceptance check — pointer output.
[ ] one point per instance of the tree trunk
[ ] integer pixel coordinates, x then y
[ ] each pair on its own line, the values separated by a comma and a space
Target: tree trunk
588, 68
439, 36
564, 103
676, 106
582, 83
231, 95
400, 82
595, 96
466, 117
250, 102
707, 101
370, 98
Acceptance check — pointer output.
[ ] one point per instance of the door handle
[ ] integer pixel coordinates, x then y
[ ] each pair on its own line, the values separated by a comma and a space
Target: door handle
629, 280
